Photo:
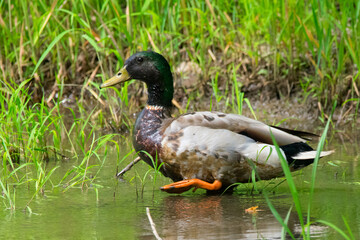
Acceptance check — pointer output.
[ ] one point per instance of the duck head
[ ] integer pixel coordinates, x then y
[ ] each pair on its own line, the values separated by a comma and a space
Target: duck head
151, 68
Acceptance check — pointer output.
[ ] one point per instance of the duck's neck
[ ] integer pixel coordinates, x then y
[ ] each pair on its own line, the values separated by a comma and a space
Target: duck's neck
161, 91
147, 131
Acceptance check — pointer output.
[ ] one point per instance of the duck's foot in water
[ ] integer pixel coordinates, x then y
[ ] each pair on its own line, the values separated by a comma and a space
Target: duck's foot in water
185, 185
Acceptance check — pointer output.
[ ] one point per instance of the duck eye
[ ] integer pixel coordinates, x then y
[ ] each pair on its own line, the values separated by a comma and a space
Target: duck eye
139, 59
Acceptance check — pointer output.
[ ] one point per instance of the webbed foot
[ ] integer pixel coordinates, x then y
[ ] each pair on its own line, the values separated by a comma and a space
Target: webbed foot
185, 185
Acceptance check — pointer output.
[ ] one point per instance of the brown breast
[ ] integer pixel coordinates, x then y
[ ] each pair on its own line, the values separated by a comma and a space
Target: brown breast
147, 137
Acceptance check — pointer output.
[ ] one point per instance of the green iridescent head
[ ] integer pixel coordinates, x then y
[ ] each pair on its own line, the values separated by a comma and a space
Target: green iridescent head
151, 68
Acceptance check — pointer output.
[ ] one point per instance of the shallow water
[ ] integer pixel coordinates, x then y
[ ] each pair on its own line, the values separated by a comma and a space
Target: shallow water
118, 210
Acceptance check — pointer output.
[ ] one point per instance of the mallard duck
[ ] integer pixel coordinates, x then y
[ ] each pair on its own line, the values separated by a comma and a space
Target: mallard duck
208, 150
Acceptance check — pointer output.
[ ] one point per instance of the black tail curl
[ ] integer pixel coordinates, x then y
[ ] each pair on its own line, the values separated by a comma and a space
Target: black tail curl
292, 150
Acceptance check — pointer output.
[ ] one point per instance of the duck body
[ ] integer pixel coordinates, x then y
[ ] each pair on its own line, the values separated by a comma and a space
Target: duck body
209, 146
205, 146
209, 150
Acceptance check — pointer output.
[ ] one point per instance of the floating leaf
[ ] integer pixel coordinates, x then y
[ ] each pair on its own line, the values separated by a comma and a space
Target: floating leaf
252, 210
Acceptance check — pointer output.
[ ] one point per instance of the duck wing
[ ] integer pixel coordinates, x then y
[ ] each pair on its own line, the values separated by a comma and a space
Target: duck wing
239, 124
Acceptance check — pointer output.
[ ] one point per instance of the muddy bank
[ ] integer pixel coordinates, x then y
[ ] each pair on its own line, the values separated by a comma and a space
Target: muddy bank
272, 94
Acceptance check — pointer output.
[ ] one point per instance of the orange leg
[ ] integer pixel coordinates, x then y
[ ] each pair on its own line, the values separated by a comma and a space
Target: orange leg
185, 185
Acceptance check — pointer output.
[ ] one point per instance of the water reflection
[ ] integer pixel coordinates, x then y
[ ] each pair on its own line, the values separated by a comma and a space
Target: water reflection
221, 217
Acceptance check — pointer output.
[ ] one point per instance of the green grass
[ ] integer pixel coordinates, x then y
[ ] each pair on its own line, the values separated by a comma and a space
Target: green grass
32, 135
309, 47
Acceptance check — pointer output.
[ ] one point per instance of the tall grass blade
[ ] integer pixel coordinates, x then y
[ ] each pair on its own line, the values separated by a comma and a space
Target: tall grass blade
277, 215
49, 48
337, 229
291, 184
315, 165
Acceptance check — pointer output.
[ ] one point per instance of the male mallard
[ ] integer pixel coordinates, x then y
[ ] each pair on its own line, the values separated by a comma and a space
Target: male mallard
209, 150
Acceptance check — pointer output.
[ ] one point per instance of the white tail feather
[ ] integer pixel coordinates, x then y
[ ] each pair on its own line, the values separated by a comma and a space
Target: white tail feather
311, 155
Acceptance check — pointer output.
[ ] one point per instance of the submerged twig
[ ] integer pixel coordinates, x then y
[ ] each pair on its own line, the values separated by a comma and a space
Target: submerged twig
128, 167
152, 224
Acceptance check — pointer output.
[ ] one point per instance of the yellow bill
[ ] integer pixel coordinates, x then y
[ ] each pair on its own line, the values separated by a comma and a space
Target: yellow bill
120, 77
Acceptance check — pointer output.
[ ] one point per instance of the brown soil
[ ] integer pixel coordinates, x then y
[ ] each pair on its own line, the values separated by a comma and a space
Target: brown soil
275, 94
